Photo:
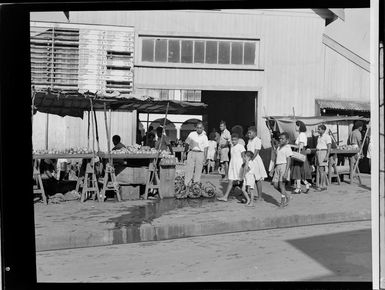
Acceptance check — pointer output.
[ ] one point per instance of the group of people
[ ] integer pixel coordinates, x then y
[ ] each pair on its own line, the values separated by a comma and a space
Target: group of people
243, 167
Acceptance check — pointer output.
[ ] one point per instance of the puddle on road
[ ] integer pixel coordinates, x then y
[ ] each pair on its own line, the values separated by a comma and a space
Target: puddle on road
127, 226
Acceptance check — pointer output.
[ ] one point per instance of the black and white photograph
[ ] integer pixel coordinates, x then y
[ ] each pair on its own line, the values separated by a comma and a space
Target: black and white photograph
203, 145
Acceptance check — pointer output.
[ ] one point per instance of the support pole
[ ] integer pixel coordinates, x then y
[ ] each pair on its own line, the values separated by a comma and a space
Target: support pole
88, 131
148, 120
93, 135
97, 132
107, 133
46, 131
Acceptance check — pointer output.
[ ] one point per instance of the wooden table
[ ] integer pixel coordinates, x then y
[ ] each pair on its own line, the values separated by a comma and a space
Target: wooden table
351, 154
80, 183
110, 170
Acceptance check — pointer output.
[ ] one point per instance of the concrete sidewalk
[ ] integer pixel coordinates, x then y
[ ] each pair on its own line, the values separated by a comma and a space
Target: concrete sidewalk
75, 224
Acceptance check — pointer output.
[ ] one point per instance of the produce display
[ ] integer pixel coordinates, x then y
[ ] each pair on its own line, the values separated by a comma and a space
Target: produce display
194, 190
75, 150
346, 147
135, 149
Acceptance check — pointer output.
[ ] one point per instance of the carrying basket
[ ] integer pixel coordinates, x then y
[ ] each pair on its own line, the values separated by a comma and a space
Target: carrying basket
298, 157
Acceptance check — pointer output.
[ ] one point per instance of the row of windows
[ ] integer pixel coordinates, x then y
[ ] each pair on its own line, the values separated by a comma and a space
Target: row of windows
198, 51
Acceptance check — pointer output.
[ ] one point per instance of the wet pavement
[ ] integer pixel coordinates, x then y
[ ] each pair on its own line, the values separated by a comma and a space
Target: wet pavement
74, 224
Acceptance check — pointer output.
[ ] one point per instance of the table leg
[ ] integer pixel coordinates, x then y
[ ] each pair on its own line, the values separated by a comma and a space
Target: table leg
317, 176
351, 167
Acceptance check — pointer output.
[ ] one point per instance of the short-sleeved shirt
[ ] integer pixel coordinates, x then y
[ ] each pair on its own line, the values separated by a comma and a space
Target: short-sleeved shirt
282, 154
164, 145
212, 149
302, 138
118, 146
225, 137
323, 141
355, 137
254, 144
197, 142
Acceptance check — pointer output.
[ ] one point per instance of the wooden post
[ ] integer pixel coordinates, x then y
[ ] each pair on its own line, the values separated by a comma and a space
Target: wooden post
256, 111
88, 131
97, 132
46, 131
107, 133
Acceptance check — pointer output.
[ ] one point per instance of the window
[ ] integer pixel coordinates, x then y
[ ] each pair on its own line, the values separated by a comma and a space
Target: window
211, 52
161, 50
187, 51
199, 52
224, 52
148, 50
236, 52
173, 51
249, 53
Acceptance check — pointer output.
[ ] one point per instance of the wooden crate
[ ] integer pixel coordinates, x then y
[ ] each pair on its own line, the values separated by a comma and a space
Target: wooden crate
129, 192
167, 181
132, 175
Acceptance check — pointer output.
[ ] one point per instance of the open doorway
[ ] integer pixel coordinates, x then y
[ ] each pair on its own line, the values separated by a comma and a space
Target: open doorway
234, 107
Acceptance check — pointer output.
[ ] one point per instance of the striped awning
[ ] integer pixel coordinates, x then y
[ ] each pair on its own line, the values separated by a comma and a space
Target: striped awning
344, 105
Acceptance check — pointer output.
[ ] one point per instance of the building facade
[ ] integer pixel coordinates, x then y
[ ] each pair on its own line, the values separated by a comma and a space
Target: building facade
245, 64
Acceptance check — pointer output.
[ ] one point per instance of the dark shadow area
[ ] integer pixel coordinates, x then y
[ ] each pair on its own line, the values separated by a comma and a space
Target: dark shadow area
268, 198
365, 187
348, 254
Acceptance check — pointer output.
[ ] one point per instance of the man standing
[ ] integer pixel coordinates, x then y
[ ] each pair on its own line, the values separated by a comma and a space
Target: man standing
355, 138
224, 147
197, 143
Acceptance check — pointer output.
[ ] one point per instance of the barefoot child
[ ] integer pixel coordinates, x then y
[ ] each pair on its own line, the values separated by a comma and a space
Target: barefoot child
324, 144
254, 145
248, 177
280, 173
235, 166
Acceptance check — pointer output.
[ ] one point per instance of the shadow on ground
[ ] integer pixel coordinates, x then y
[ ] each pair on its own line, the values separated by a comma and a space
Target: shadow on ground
348, 255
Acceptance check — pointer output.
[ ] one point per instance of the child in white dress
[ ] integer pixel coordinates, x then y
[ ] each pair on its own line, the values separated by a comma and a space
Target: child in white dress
235, 166
248, 169
254, 145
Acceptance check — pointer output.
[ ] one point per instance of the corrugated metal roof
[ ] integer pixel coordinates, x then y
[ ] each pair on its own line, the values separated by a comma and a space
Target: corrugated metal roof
344, 105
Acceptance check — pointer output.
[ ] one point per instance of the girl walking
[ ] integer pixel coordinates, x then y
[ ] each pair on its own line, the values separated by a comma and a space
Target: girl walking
235, 166
301, 170
254, 145
248, 169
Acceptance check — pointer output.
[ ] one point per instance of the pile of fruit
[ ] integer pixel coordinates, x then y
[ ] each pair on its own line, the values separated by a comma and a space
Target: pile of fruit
194, 189
135, 149
82, 150
346, 147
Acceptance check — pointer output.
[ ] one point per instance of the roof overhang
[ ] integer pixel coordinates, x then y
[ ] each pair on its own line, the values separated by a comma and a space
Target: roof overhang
330, 15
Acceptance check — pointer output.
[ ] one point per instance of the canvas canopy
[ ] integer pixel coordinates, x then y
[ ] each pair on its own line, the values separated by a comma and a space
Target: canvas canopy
74, 103
287, 123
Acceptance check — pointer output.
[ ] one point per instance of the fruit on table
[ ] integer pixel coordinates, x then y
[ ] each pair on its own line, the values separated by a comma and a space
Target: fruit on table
74, 150
346, 147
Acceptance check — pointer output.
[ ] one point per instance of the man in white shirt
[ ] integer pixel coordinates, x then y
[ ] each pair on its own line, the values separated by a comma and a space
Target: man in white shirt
324, 143
198, 144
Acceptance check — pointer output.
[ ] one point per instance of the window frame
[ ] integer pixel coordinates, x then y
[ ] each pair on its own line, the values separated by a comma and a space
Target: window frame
193, 64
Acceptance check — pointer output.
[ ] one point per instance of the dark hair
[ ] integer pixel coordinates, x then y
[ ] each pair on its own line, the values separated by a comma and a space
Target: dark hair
212, 136
301, 125
235, 135
285, 134
159, 130
358, 124
200, 123
238, 129
116, 138
222, 123
150, 128
322, 126
253, 129
249, 154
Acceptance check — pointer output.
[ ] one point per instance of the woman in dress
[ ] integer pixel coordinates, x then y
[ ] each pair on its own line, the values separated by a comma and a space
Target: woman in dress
301, 170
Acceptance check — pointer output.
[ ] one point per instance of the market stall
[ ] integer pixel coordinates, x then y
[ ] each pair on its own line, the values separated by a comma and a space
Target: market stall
338, 152
75, 103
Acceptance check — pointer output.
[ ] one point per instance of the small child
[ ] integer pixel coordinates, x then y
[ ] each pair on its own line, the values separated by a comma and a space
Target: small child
248, 169
324, 143
212, 150
280, 173
235, 166
254, 145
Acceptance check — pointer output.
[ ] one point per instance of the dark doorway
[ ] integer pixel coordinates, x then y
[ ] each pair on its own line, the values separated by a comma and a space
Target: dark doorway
236, 108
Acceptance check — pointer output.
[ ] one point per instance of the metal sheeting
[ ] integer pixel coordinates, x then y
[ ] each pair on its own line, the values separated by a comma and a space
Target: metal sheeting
344, 105
74, 103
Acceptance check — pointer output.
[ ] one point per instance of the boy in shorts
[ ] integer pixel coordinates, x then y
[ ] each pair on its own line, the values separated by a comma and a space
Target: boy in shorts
280, 172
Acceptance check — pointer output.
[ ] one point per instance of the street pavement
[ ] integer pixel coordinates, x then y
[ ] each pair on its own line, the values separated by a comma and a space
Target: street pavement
330, 252
74, 224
